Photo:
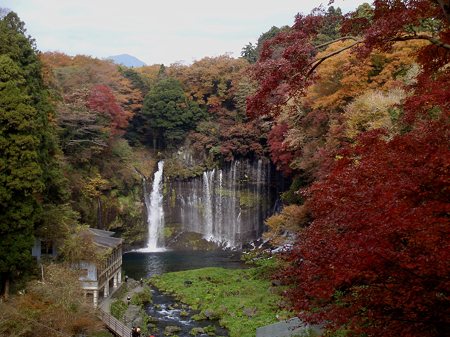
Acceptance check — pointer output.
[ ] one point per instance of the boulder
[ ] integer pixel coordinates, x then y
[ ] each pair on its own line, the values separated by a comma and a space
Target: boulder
210, 314
250, 312
171, 330
196, 331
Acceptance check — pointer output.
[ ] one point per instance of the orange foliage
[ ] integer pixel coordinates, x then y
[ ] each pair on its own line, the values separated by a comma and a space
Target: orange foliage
210, 80
72, 73
343, 77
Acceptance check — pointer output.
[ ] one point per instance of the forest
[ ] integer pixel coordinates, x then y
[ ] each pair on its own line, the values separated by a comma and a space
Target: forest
352, 109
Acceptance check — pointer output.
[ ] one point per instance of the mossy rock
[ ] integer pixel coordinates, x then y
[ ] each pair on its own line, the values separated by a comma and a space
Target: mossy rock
210, 330
211, 314
196, 331
191, 241
198, 317
170, 330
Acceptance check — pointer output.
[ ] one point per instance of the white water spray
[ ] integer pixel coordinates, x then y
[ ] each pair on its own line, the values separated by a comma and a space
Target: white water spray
155, 213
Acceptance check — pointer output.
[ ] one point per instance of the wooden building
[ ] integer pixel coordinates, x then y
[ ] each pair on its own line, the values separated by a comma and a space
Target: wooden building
97, 279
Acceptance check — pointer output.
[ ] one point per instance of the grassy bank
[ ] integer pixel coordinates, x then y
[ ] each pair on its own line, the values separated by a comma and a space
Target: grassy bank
240, 298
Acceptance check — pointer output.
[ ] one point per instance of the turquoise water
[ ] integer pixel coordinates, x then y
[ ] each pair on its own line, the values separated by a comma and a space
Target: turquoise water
137, 264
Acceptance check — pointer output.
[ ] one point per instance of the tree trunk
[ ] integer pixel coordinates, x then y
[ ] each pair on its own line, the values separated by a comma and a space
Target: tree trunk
5, 286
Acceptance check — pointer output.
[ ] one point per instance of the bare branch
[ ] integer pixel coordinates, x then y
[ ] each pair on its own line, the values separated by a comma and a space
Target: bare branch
317, 62
433, 40
76, 141
337, 40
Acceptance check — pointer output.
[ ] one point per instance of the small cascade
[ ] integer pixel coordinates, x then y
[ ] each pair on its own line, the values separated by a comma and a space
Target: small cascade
155, 213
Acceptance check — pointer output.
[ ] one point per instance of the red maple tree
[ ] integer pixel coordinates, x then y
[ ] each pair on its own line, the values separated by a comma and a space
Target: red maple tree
376, 259
101, 99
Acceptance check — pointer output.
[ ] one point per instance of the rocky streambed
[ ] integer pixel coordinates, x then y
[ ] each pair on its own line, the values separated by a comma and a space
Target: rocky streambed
168, 317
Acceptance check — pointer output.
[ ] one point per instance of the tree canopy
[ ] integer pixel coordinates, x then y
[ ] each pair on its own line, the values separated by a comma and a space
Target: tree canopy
168, 114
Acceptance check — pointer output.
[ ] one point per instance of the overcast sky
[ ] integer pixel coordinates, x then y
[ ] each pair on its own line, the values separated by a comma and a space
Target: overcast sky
163, 31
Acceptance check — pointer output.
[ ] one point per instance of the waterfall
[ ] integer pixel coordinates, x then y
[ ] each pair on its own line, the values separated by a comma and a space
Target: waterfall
226, 205
155, 213
207, 186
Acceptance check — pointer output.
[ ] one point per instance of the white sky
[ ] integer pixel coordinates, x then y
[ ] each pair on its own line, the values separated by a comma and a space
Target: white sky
164, 31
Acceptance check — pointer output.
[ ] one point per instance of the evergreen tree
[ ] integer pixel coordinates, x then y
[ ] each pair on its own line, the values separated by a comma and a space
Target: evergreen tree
30, 177
167, 115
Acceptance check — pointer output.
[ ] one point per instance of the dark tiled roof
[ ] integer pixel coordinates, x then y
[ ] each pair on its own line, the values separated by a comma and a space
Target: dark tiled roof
104, 239
101, 232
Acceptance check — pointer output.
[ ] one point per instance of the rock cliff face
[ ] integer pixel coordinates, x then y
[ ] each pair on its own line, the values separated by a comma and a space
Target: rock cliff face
226, 205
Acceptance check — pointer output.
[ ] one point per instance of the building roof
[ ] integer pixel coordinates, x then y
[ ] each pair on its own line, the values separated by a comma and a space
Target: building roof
104, 238
101, 232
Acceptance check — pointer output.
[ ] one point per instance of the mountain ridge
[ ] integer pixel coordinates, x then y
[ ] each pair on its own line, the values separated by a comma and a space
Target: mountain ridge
127, 60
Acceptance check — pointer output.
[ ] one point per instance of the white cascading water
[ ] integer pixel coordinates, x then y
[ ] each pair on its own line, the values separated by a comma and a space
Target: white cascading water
155, 213
208, 192
226, 205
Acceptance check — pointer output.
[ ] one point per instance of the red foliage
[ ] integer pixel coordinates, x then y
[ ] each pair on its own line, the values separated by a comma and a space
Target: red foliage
101, 99
287, 59
375, 259
241, 140
393, 20
280, 70
431, 95
279, 153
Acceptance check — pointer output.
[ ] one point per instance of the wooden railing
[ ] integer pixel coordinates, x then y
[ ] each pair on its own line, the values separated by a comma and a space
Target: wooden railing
113, 324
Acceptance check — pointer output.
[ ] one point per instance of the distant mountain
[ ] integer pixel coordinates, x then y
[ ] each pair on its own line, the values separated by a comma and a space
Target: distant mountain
126, 60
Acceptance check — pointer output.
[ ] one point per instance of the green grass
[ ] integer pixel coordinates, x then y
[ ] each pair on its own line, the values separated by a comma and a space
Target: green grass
143, 297
240, 298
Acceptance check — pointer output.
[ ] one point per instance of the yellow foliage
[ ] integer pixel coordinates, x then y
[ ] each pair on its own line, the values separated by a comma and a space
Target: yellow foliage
211, 79
283, 225
339, 78
95, 186
343, 77
373, 110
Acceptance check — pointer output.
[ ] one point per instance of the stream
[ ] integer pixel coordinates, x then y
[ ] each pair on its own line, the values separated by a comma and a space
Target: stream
167, 312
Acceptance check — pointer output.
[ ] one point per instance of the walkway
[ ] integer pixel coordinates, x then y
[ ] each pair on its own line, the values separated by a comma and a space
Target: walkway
112, 323
105, 304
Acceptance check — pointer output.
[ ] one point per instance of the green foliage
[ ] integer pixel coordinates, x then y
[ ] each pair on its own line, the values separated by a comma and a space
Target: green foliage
118, 308
249, 53
249, 199
329, 28
30, 177
175, 168
292, 195
167, 115
225, 293
137, 80
142, 297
